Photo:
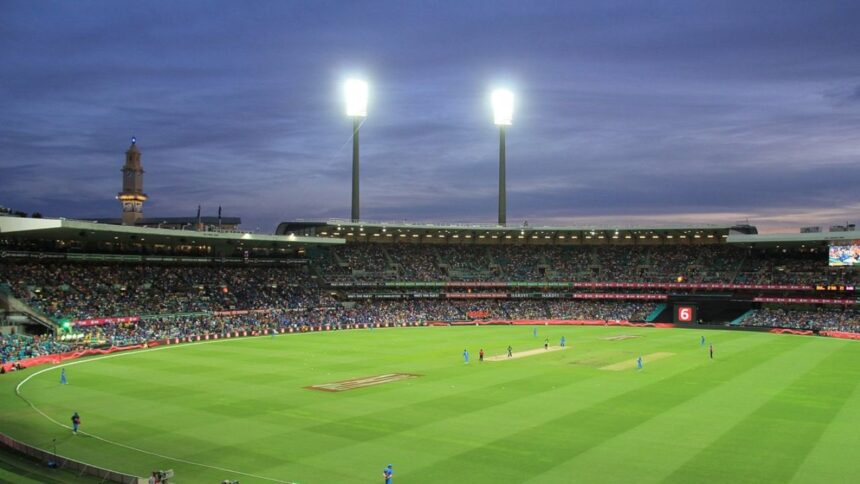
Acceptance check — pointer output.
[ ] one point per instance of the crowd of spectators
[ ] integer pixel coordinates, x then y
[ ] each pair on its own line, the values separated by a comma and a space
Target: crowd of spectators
600, 310
684, 263
14, 347
415, 264
824, 319
68, 288
794, 268
79, 291
182, 300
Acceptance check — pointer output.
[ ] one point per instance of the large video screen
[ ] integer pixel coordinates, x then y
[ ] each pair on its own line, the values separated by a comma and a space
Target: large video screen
845, 254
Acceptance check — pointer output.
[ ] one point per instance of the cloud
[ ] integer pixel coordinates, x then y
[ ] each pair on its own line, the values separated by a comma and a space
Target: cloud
650, 111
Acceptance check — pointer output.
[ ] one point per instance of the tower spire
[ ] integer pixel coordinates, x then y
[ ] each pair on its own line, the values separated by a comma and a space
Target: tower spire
132, 196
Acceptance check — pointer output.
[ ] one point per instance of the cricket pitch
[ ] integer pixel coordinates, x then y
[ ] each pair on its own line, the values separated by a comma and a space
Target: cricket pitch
629, 364
620, 337
345, 385
523, 354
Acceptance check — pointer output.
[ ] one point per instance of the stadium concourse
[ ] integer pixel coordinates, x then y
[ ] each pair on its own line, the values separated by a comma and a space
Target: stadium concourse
69, 287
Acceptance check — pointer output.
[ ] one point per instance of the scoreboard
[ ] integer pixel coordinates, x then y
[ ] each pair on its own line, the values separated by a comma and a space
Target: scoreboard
685, 313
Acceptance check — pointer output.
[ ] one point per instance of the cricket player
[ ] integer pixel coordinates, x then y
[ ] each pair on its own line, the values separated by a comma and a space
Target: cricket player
387, 474
534, 332
702, 341
711, 350
466, 356
63, 380
510, 351
481, 355
76, 422
546, 343
563, 342
639, 363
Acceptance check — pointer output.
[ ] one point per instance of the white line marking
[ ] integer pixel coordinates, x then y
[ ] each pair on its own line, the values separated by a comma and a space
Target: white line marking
126, 446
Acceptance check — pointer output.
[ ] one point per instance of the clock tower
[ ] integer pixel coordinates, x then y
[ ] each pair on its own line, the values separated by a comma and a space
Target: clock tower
132, 196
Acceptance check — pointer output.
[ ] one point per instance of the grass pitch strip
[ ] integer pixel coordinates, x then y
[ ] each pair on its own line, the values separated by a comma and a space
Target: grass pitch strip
767, 408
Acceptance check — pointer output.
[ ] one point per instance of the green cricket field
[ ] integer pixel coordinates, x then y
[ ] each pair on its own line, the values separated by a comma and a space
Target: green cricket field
337, 407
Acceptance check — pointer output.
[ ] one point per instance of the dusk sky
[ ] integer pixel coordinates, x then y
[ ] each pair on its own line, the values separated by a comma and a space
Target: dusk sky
626, 112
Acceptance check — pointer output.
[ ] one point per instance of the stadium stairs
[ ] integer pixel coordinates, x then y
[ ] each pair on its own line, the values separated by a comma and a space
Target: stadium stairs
739, 320
15, 307
733, 275
655, 313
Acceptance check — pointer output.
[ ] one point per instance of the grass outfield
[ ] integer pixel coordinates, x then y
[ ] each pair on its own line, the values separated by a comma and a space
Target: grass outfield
768, 408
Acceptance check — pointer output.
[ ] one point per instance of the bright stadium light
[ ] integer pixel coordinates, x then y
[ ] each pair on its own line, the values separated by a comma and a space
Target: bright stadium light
356, 98
503, 107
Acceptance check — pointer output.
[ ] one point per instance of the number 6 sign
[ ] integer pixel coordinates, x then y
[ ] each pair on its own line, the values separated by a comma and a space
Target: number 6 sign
685, 314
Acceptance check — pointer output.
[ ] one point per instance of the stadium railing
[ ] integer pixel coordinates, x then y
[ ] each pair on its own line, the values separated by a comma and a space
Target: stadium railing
61, 462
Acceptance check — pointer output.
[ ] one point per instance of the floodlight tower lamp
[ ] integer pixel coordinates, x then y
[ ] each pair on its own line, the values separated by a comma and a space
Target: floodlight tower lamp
503, 107
355, 91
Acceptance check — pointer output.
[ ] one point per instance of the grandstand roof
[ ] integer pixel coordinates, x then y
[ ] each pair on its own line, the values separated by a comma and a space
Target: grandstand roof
454, 232
821, 238
64, 229
206, 220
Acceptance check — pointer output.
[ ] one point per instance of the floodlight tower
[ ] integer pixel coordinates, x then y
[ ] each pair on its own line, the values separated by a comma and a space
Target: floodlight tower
503, 113
356, 108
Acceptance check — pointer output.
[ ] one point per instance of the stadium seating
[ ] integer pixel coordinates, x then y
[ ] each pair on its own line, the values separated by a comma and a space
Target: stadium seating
706, 264
177, 301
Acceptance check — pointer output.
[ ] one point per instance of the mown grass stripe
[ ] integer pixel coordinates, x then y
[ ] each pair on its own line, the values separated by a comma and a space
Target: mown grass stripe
242, 404
654, 449
559, 439
770, 444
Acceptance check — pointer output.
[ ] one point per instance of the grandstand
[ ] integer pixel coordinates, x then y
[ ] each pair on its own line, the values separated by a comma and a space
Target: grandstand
75, 288
340, 273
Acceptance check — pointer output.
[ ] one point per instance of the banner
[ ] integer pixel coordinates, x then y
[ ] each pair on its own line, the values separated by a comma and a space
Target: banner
840, 334
574, 322
102, 321
610, 295
71, 355
801, 332
803, 300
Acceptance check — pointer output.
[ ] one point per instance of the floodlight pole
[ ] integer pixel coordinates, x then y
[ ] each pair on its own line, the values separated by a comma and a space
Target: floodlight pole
356, 122
502, 192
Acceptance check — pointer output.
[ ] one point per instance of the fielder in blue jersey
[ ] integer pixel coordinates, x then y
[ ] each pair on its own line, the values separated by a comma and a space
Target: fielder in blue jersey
63, 380
702, 341
387, 474
563, 342
639, 363
465, 356
534, 332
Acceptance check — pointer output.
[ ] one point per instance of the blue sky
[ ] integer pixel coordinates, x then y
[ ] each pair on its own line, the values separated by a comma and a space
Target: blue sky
626, 112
